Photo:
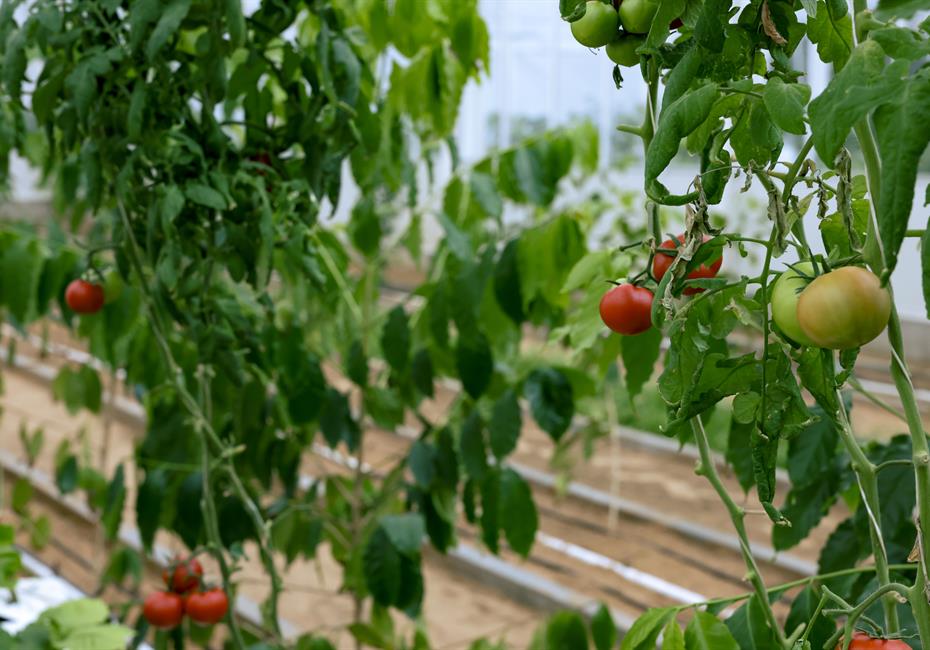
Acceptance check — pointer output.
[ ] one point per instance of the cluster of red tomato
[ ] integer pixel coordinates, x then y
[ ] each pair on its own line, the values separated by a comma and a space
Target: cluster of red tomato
185, 595
837, 310
601, 23
627, 308
84, 297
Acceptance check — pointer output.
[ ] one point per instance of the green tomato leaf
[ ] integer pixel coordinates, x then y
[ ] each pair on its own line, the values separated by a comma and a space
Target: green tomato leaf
21, 266
474, 362
405, 531
739, 452
755, 138
421, 372
506, 423
472, 448
749, 627
517, 512
491, 509
672, 637
168, 23
603, 630
551, 400
682, 117
862, 85
395, 340
381, 565
507, 282
707, 632
785, 103
645, 630
566, 631
903, 130
830, 28
75, 614
113, 506
205, 196
639, 354
149, 500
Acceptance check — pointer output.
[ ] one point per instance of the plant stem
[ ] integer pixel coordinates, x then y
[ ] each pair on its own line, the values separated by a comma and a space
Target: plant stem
792, 175
708, 469
797, 583
647, 133
921, 459
867, 477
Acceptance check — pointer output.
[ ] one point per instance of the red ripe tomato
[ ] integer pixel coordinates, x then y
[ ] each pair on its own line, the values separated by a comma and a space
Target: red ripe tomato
862, 641
185, 576
163, 609
662, 261
627, 309
207, 607
84, 297
844, 309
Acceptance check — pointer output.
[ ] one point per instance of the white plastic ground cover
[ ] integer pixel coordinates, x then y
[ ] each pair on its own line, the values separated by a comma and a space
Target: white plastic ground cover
36, 594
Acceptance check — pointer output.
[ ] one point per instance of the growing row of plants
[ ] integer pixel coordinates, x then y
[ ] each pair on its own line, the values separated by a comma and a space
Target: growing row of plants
732, 94
196, 155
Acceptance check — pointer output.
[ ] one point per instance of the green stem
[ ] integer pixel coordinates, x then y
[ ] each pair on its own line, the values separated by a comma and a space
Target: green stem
885, 592
647, 133
796, 583
867, 477
708, 469
875, 399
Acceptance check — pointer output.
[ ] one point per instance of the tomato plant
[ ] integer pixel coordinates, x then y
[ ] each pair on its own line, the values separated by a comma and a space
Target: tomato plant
627, 309
84, 297
163, 609
598, 26
844, 309
207, 607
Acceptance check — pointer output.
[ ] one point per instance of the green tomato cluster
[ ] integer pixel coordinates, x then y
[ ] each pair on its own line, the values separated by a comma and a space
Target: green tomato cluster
601, 24
839, 310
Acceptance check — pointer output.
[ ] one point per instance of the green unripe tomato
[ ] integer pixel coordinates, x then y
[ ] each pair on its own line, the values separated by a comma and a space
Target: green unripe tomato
636, 15
844, 309
112, 286
623, 50
785, 295
598, 26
